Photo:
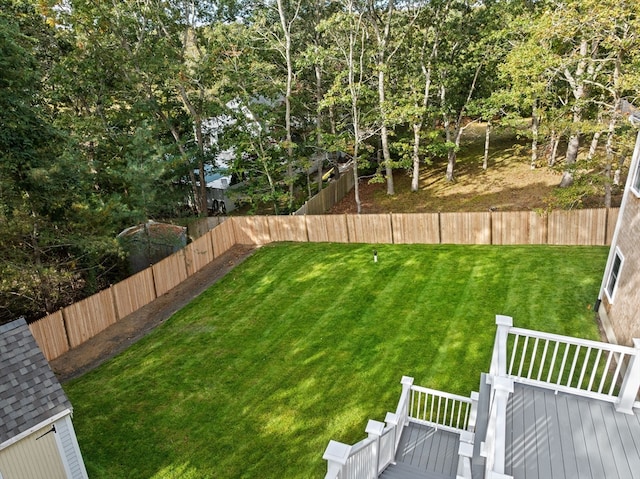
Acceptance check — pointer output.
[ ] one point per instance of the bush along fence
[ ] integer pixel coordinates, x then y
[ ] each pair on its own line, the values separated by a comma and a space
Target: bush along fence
63, 330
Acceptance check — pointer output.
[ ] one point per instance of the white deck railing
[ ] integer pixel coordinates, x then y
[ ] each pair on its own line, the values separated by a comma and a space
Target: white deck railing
578, 366
582, 367
369, 457
439, 409
593, 369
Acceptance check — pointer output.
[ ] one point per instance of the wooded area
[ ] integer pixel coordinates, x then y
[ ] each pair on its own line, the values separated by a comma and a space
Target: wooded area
112, 113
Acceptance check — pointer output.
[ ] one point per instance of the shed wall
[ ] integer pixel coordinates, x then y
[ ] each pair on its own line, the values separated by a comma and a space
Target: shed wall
33, 458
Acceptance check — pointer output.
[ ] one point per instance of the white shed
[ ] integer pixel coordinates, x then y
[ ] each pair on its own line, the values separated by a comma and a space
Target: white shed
37, 439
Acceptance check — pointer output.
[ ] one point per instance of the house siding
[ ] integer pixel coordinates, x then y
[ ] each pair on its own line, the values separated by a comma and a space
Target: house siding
620, 312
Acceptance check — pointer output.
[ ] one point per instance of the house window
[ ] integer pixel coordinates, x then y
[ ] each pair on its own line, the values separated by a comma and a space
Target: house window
614, 274
635, 186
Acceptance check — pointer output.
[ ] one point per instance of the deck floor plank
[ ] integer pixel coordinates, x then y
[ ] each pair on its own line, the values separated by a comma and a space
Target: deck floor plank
556, 457
597, 445
578, 439
630, 444
543, 433
529, 437
563, 436
429, 450
568, 450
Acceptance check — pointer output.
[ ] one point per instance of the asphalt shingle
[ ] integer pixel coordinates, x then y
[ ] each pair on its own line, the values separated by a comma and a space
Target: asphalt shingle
29, 391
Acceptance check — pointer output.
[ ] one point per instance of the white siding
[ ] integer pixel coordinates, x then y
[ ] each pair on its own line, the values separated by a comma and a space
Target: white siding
69, 449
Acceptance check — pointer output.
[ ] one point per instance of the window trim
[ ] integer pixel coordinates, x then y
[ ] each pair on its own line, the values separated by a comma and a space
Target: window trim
611, 294
635, 183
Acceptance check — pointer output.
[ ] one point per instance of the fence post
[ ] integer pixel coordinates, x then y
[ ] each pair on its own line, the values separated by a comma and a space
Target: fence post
374, 430
631, 382
499, 356
336, 455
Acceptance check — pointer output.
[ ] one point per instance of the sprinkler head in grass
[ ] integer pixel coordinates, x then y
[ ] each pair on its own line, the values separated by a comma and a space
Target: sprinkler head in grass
375, 256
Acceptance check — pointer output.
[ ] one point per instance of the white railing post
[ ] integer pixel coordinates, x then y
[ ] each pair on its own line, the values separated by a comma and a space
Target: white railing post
374, 431
336, 455
631, 382
465, 453
392, 420
473, 415
494, 446
499, 356
403, 404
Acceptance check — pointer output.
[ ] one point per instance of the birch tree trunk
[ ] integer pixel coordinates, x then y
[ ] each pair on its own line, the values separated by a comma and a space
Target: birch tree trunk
286, 32
427, 69
415, 173
593, 147
456, 133
487, 138
382, 37
576, 81
535, 127
555, 141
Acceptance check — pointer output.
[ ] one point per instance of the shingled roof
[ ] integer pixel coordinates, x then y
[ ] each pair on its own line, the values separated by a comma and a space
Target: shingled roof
29, 391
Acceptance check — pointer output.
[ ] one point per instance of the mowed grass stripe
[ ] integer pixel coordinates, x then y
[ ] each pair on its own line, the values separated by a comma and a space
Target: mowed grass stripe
303, 343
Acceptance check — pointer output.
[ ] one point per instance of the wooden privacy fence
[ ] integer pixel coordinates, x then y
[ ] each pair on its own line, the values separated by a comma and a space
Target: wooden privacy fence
329, 196
63, 330
71, 326
579, 227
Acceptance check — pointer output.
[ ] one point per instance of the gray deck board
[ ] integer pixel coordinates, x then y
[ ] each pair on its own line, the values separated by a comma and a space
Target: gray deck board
561, 436
630, 443
430, 450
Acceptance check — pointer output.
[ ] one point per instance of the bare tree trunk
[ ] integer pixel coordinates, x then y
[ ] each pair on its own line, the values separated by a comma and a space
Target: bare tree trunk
356, 185
458, 128
555, 141
577, 88
318, 74
318, 71
593, 147
607, 185
618, 170
426, 68
382, 37
570, 160
487, 139
415, 175
286, 31
197, 124
535, 124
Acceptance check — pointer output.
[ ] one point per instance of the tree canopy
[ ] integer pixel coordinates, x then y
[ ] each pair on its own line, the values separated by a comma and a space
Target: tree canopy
106, 109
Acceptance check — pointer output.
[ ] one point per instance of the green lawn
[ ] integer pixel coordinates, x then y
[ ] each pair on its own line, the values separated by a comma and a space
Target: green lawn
304, 343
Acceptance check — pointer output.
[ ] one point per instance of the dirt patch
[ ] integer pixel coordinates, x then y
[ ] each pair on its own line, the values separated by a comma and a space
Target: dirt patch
130, 329
508, 183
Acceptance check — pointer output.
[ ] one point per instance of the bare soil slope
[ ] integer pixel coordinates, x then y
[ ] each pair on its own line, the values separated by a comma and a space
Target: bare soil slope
508, 184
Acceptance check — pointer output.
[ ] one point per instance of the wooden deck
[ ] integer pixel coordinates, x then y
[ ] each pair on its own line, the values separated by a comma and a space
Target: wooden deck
425, 453
549, 436
558, 436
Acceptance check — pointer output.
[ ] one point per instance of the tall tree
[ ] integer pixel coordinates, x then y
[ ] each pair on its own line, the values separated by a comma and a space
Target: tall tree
348, 35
